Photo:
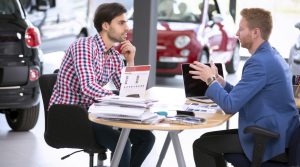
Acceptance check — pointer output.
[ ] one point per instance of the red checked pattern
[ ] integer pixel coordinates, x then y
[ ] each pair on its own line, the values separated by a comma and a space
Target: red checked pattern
85, 69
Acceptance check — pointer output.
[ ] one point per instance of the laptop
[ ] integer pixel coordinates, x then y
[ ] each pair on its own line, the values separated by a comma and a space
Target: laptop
194, 88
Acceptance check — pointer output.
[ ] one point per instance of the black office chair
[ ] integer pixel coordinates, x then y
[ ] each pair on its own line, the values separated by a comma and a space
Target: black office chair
68, 126
261, 136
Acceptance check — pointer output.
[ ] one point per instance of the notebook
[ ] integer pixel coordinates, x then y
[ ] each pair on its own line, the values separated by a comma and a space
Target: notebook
194, 88
134, 81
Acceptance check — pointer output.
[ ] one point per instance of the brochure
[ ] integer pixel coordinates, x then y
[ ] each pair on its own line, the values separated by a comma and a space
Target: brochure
134, 81
185, 120
195, 109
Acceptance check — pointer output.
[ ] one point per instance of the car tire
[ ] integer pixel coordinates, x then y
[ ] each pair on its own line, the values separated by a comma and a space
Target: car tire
233, 64
23, 119
203, 57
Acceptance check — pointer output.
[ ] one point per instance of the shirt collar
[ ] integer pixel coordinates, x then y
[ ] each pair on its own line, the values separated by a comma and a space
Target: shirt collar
101, 45
264, 45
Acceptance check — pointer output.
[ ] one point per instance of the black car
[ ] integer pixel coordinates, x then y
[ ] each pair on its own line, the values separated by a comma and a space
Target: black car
20, 65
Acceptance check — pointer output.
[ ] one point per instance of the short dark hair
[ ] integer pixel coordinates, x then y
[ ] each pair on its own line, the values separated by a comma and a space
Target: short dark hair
106, 12
259, 18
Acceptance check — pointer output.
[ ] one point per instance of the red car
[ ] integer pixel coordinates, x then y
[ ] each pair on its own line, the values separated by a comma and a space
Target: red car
190, 30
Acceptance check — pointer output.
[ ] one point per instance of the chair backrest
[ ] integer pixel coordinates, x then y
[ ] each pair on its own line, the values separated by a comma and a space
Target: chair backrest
47, 82
66, 126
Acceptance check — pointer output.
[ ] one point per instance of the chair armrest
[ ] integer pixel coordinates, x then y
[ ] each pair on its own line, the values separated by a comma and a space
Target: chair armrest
256, 130
261, 137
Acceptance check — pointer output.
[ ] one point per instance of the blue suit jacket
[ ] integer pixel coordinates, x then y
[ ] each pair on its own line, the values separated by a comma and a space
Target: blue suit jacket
263, 97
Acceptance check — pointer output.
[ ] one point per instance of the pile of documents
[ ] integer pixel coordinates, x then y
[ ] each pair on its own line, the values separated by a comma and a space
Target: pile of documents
125, 109
126, 101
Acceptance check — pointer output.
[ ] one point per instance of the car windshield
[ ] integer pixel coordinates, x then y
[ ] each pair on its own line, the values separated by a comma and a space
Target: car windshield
179, 10
9, 7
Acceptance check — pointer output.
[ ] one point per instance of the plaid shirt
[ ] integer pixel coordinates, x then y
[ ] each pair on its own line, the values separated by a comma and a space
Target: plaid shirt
86, 67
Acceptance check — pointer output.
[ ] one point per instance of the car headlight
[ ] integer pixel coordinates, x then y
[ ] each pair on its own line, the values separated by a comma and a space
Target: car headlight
182, 41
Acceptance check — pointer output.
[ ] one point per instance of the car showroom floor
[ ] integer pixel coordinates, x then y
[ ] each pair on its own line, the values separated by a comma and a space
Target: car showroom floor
19, 149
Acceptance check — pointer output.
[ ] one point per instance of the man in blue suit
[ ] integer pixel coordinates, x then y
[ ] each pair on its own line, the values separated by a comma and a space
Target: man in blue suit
263, 96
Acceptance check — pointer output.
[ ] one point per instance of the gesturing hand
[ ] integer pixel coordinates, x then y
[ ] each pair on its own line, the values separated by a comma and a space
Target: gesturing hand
201, 71
213, 68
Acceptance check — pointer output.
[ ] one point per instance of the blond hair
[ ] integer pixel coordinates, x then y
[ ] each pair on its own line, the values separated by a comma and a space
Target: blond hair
259, 18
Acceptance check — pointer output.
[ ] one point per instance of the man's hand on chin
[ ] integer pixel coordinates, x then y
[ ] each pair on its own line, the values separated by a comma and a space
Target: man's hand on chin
128, 50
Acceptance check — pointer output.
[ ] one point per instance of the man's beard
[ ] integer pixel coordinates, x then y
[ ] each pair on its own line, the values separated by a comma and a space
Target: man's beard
247, 44
114, 38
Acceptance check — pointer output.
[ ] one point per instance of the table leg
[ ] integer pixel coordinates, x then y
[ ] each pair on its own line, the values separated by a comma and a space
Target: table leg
227, 125
120, 147
164, 150
177, 148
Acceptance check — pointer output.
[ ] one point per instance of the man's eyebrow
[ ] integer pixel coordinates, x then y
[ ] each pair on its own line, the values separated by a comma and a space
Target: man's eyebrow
122, 21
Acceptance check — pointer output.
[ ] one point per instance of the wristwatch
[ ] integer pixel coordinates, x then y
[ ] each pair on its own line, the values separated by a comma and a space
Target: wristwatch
210, 80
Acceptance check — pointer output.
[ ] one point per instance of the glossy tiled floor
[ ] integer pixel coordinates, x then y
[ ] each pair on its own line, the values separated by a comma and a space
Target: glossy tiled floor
19, 149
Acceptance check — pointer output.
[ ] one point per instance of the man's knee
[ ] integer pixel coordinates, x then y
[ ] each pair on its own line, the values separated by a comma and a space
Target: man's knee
201, 144
150, 140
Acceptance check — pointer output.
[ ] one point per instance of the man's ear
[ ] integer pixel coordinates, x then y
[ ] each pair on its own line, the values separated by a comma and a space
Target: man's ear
105, 26
257, 32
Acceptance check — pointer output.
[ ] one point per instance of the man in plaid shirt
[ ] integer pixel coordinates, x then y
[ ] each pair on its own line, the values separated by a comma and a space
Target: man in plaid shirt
89, 64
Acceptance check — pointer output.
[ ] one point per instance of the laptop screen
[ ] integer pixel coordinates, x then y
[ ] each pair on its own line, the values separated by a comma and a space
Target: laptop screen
195, 87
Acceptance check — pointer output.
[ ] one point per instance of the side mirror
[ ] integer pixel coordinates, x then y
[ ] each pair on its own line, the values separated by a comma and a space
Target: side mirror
43, 5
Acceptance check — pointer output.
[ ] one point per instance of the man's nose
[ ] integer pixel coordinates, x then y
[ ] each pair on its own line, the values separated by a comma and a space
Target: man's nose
126, 27
237, 34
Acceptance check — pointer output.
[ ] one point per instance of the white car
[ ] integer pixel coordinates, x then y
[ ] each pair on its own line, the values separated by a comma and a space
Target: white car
294, 59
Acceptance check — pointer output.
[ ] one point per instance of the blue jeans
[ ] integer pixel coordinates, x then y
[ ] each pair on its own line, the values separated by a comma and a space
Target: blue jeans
136, 149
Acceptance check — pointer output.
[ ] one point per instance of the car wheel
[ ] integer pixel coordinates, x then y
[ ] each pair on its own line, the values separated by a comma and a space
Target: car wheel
233, 64
203, 58
23, 119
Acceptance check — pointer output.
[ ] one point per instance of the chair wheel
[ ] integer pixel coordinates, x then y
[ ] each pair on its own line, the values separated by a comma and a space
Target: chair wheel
102, 156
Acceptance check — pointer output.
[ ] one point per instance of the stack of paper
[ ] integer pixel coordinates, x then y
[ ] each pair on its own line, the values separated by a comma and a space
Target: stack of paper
123, 108
125, 101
